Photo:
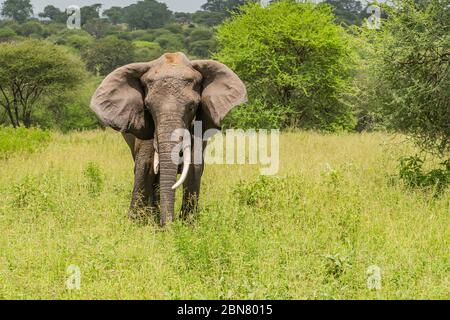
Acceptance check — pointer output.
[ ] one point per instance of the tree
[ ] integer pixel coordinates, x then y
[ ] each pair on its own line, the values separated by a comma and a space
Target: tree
30, 70
107, 54
209, 18
98, 27
222, 5
115, 15
347, 11
147, 14
54, 14
89, 13
19, 10
182, 17
413, 51
292, 56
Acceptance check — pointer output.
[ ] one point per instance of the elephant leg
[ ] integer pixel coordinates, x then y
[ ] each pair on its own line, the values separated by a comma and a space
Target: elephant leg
191, 190
154, 196
143, 197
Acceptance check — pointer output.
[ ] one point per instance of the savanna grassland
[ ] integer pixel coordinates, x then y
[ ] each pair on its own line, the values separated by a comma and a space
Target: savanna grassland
335, 209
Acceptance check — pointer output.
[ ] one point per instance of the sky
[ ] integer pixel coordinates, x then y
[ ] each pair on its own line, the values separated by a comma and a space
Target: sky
174, 5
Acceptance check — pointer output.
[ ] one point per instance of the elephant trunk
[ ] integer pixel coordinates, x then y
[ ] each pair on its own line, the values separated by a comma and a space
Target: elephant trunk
168, 151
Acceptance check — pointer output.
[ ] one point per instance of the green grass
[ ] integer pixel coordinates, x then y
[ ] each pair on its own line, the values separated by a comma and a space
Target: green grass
21, 140
311, 232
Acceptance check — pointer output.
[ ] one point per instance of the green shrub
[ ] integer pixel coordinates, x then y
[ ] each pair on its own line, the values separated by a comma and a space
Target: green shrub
257, 114
293, 55
7, 34
412, 69
21, 140
33, 194
94, 178
412, 173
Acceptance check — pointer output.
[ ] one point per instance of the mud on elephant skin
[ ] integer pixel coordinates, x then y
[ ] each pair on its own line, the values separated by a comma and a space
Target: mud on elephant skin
147, 102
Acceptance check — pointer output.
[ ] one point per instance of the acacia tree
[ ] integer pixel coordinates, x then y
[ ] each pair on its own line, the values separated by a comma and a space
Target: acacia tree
19, 10
413, 70
147, 14
30, 70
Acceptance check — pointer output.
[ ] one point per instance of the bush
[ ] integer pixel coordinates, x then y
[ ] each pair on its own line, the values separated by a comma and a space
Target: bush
7, 34
94, 178
413, 67
258, 114
107, 54
146, 51
412, 173
202, 48
21, 140
293, 55
170, 42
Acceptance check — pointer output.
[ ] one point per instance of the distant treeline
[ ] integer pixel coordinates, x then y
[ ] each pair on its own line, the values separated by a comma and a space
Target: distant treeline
314, 66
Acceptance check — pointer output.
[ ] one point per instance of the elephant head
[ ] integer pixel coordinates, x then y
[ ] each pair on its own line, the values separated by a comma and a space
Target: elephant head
152, 100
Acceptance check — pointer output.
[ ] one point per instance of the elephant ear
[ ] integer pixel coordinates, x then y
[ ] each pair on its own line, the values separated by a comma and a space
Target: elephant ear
222, 91
119, 101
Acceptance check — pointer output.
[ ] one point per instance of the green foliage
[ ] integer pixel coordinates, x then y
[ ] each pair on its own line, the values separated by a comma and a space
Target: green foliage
170, 42
202, 48
98, 27
208, 18
412, 68
19, 10
94, 178
147, 14
29, 28
258, 114
89, 13
68, 110
114, 14
349, 12
32, 194
21, 140
411, 171
293, 55
146, 51
107, 54
7, 34
296, 240
222, 5
31, 70
54, 14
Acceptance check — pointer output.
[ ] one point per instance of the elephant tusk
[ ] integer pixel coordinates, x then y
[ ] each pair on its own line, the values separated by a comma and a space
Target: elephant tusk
156, 162
186, 164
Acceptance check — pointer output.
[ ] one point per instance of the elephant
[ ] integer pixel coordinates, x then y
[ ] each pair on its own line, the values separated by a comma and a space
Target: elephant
147, 102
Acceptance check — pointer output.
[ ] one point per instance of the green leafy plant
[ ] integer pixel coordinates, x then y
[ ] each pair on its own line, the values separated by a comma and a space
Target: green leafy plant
21, 140
411, 171
94, 177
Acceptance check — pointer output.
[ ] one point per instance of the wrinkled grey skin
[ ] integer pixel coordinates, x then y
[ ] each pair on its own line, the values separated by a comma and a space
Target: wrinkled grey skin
146, 195
147, 102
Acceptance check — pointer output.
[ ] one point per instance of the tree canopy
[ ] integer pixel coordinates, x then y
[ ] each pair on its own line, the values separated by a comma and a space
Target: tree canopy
413, 52
292, 56
19, 10
30, 70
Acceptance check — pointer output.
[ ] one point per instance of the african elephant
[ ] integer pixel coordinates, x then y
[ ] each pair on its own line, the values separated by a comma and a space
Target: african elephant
147, 102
